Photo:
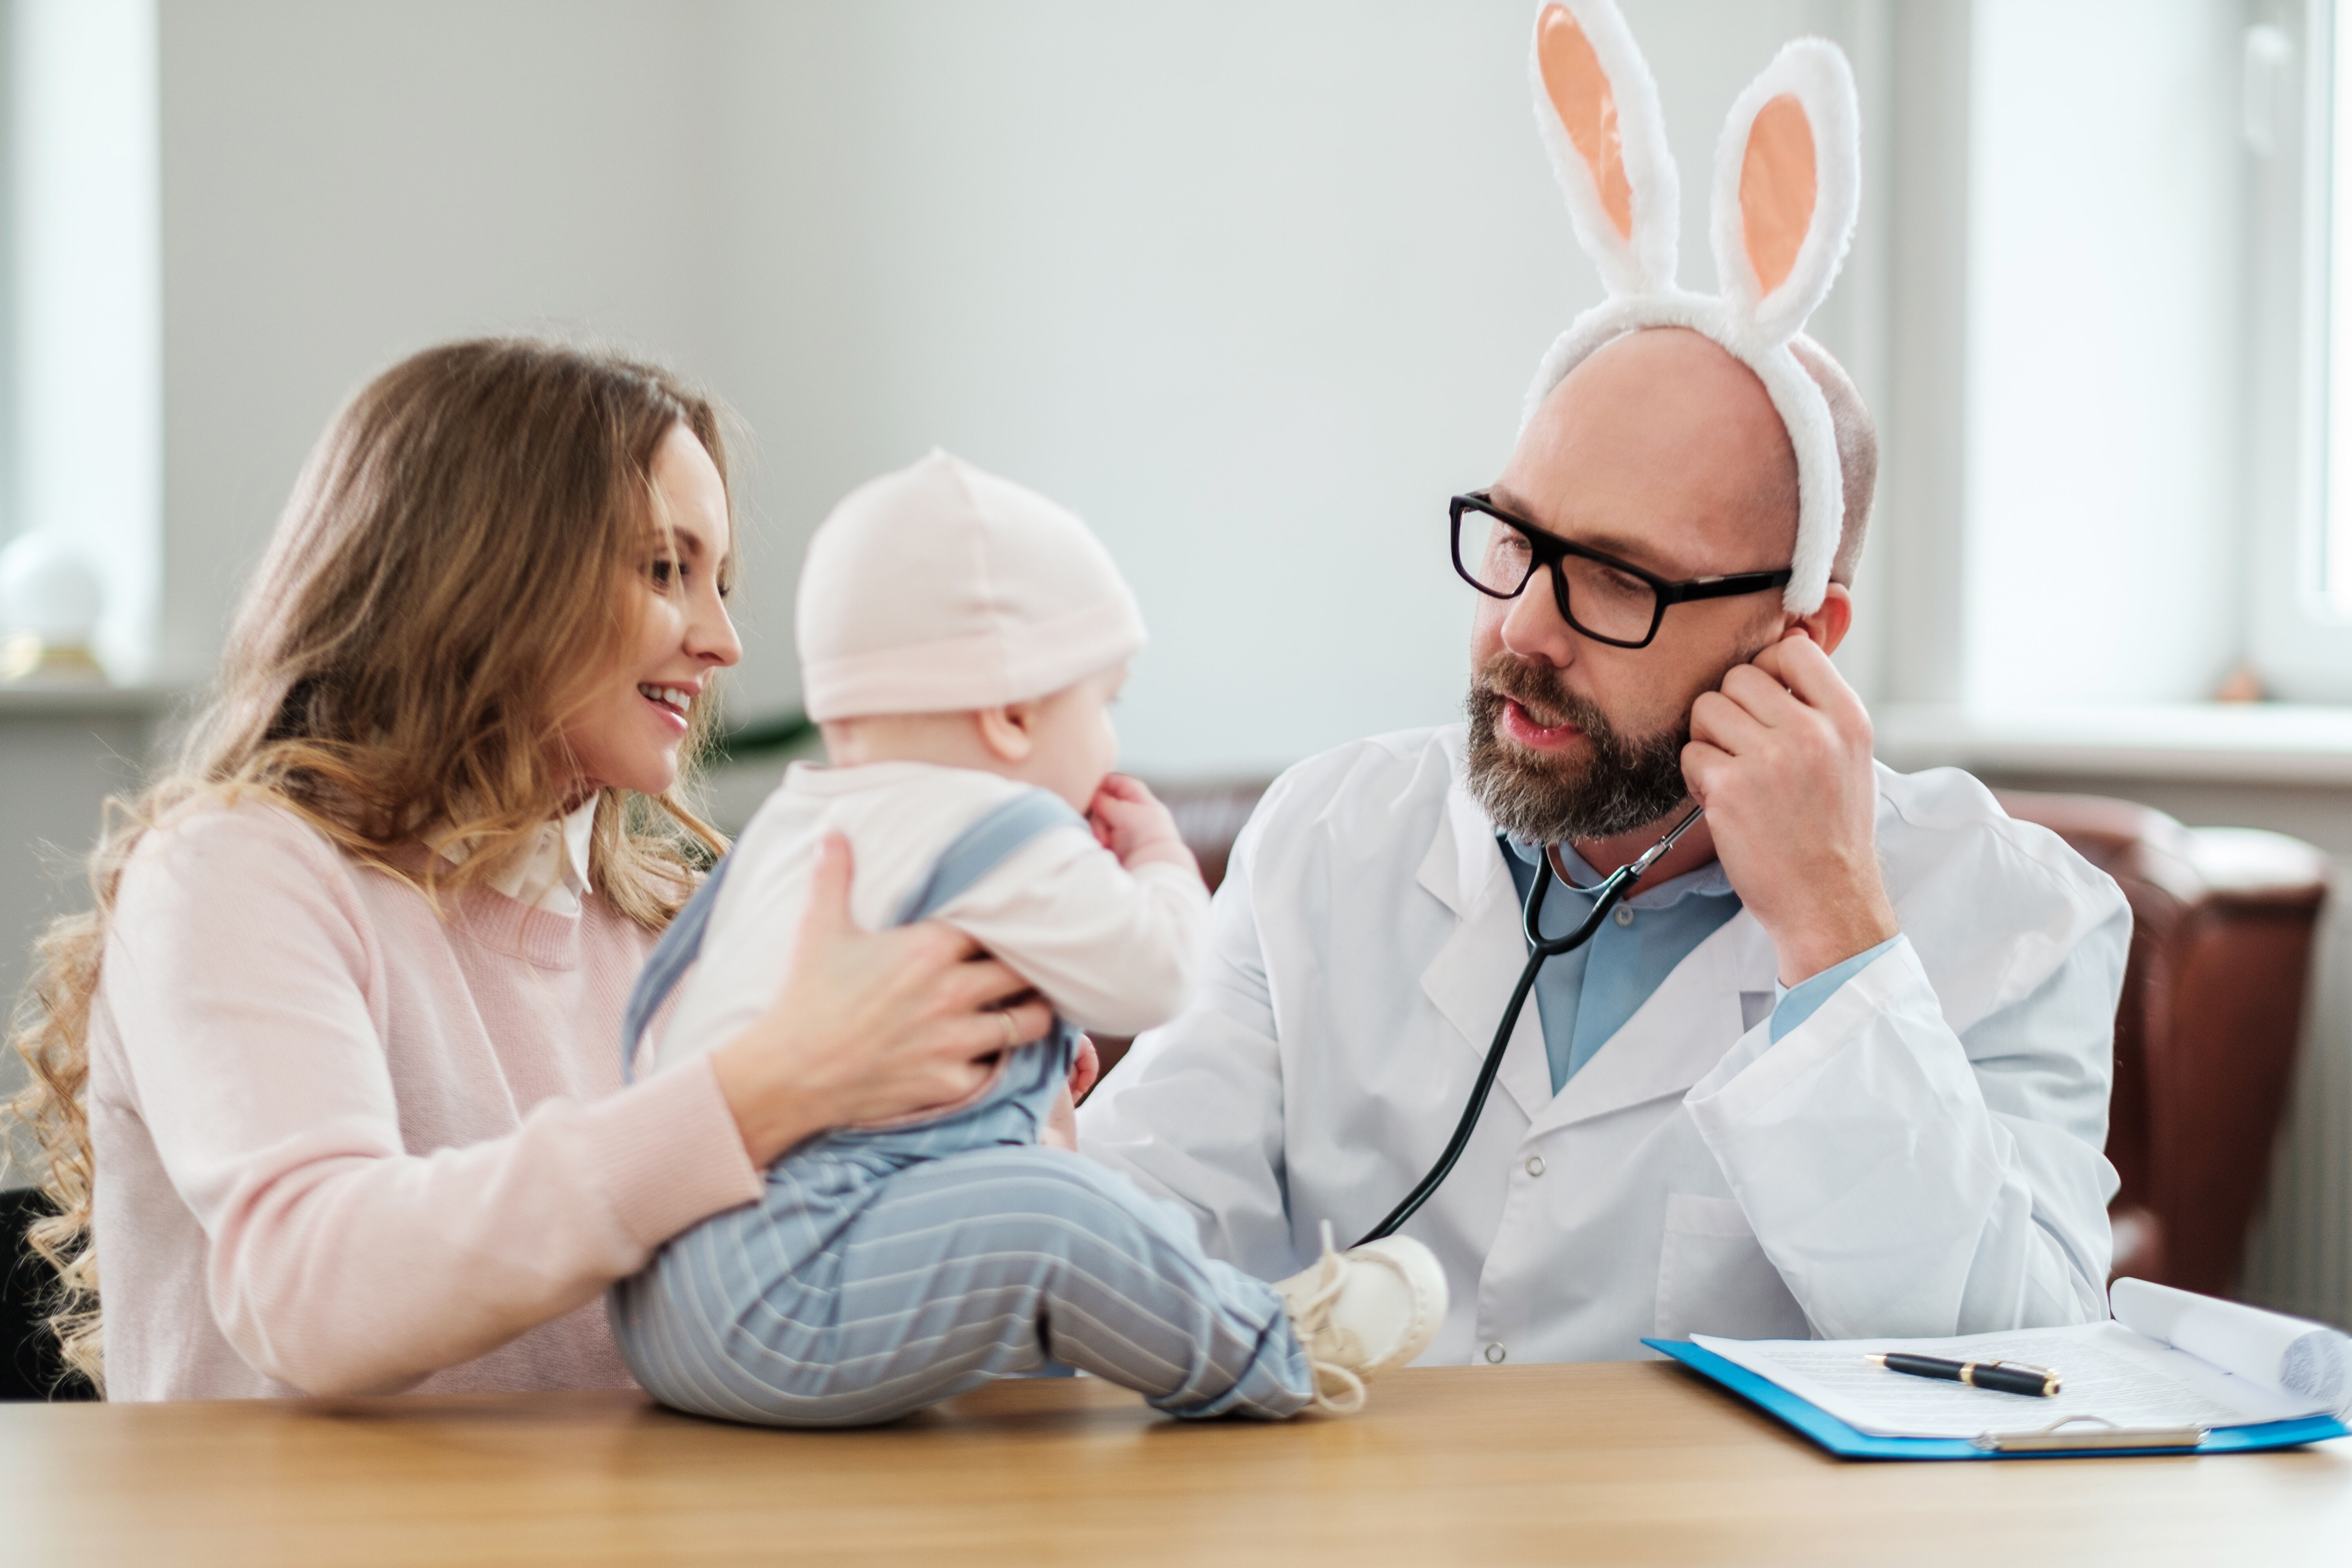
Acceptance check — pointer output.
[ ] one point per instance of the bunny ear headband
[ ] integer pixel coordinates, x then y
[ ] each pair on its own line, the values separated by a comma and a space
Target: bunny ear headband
1787, 176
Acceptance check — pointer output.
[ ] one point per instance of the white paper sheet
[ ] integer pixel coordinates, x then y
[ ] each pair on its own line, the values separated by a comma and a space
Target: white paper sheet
2108, 1371
2307, 1359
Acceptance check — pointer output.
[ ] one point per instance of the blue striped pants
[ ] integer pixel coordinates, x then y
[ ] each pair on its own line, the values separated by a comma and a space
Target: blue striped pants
859, 1290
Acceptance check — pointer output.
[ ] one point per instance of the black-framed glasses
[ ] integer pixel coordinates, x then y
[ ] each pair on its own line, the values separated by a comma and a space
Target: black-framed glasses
1607, 599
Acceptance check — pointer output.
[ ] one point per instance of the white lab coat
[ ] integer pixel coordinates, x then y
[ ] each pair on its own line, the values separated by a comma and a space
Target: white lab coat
1920, 1157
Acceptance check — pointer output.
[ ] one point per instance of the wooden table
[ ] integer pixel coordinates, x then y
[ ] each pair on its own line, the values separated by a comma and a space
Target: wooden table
1620, 1462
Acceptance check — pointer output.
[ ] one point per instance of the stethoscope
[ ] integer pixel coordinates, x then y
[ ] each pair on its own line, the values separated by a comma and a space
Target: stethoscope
1540, 951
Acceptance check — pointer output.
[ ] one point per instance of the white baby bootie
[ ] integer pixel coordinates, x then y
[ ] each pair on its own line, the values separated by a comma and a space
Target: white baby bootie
1363, 1311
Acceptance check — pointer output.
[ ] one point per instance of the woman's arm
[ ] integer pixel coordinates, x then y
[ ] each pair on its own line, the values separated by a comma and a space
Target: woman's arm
870, 1026
247, 984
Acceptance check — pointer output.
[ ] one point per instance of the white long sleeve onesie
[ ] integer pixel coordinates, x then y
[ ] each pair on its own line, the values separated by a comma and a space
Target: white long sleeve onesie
1111, 949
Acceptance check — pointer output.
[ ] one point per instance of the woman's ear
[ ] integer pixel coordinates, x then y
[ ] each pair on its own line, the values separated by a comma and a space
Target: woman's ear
1009, 733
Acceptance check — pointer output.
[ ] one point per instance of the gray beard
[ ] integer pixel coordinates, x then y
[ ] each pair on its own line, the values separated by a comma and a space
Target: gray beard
1624, 783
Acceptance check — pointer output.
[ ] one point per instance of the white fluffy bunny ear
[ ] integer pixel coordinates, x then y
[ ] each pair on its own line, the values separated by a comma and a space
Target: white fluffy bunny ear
1597, 106
1788, 183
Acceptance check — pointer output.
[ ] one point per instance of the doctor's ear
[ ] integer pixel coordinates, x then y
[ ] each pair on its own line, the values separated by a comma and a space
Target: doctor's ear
1826, 626
1009, 733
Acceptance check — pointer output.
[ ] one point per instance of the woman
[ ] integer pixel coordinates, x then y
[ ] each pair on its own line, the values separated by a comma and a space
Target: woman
329, 1079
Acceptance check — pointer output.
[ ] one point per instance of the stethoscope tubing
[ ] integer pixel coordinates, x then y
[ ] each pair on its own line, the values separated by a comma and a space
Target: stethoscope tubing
1540, 951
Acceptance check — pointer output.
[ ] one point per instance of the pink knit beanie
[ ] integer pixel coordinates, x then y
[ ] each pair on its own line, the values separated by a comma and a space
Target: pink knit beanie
939, 588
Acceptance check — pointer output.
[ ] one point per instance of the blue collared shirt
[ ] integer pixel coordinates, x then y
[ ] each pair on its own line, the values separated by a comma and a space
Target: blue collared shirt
1636, 948
1802, 999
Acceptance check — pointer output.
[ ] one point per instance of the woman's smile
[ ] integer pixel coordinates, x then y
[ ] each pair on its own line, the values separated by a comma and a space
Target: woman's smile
671, 700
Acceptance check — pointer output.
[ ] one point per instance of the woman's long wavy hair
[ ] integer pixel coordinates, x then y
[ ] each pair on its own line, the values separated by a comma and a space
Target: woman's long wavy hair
451, 574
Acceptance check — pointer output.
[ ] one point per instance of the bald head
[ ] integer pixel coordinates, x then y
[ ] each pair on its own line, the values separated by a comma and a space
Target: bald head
1664, 450
1662, 432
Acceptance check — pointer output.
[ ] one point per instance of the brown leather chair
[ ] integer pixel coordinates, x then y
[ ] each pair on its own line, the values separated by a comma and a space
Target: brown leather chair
2205, 1035
2222, 921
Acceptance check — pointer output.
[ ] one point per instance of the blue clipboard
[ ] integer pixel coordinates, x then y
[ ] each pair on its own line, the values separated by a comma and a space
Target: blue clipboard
1847, 1442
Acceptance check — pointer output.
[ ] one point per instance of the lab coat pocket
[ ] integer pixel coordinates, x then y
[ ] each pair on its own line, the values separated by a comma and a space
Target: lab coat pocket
1714, 1278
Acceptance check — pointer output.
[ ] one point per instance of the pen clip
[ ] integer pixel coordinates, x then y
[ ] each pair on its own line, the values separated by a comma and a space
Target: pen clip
2023, 1367
2055, 1439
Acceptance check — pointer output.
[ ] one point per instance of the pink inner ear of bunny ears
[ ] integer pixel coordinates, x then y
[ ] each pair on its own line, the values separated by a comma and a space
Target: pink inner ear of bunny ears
1586, 108
1778, 188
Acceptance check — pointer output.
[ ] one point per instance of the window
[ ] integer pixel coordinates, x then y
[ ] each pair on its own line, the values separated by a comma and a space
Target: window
2297, 533
83, 343
2329, 566
2107, 278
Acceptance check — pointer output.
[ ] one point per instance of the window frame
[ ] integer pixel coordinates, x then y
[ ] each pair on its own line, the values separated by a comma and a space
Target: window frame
2298, 647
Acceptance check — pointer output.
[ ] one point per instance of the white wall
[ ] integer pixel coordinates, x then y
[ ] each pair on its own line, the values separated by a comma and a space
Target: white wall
342, 185
1252, 288
345, 184
1255, 287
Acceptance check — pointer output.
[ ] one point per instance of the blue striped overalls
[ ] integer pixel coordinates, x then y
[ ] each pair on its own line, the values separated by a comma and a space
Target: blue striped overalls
885, 1269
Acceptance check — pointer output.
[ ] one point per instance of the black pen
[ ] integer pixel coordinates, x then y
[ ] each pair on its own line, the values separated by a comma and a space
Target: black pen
2000, 1376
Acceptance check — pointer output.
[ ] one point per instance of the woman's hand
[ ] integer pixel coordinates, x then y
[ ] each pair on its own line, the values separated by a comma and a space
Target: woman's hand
869, 1024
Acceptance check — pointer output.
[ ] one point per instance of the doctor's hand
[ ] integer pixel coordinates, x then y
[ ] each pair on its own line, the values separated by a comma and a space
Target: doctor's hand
1780, 757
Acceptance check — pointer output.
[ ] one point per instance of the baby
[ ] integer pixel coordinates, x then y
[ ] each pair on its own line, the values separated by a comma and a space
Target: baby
962, 639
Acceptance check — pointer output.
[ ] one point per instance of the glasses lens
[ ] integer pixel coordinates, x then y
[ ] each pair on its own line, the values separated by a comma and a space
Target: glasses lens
1607, 603
1491, 554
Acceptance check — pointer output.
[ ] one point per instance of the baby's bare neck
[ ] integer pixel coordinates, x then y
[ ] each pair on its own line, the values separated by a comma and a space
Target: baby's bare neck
951, 739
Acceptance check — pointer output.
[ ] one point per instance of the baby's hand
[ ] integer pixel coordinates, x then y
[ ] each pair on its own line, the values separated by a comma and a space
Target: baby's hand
1131, 823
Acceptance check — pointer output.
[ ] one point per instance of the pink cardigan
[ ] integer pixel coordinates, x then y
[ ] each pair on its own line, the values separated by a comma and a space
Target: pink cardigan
345, 1146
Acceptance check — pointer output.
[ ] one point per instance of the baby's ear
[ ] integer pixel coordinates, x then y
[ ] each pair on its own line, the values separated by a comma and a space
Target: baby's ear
1788, 186
1597, 107
1009, 733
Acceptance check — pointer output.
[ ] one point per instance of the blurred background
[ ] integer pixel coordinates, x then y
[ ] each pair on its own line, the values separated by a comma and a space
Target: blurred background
1253, 286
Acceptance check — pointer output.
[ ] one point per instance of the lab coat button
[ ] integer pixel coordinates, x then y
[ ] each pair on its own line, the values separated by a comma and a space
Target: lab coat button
1535, 1165
1496, 1352
1624, 916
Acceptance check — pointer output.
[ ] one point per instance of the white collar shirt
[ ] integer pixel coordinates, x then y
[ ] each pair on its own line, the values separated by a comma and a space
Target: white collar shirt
554, 876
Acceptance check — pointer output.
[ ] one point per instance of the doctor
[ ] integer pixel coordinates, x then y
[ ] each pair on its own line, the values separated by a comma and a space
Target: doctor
1839, 1065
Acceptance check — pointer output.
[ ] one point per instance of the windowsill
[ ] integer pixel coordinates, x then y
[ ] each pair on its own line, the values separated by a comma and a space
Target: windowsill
69, 699
2264, 743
